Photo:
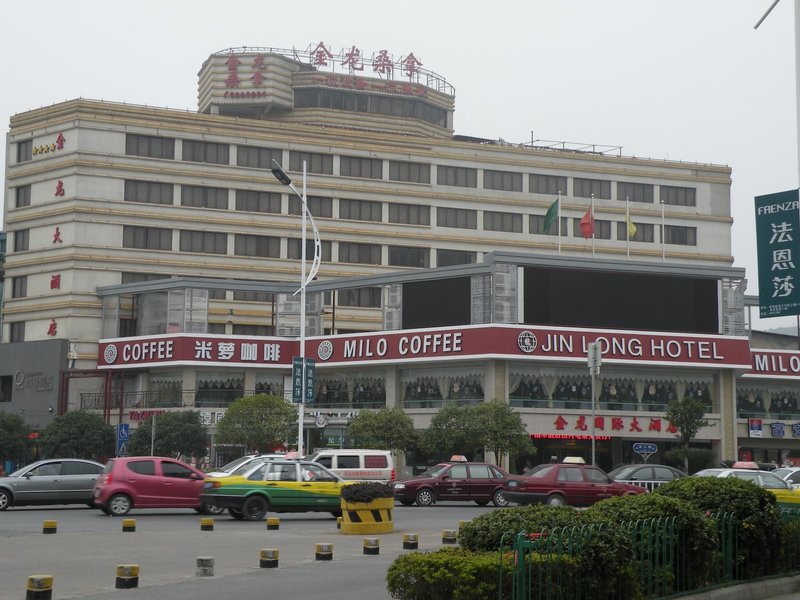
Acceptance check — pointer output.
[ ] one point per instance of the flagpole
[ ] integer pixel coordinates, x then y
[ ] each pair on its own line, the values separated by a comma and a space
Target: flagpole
663, 248
627, 225
592, 222
558, 221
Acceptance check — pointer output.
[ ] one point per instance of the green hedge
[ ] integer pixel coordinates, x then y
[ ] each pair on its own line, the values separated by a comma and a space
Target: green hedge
366, 491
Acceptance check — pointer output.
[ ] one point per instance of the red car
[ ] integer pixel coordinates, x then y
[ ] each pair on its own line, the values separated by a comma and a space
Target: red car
454, 480
559, 484
148, 482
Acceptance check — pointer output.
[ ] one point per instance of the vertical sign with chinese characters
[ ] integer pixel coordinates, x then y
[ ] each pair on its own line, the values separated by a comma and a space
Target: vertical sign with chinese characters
297, 380
777, 236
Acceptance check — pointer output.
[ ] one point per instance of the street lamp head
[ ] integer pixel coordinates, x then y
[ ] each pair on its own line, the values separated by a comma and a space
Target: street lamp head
280, 174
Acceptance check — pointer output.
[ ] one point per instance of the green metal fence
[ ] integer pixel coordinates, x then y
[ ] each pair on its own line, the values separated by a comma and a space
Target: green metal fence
555, 564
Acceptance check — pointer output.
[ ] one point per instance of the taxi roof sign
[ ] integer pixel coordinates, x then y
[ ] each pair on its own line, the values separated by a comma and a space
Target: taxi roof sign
458, 458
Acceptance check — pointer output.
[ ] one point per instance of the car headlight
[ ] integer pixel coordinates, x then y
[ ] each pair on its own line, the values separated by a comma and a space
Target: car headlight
399, 486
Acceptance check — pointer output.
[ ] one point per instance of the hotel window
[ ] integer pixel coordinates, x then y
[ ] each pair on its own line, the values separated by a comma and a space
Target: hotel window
502, 180
258, 158
584, 188
410, 214
205, 242
462, 218
315, 163
206, 152
409, 171
24, 151
257, 245
257, 330
457, 176
21, 240
150, 146
151, 192
129, 277
502, 221
23, 196
319, 206
681, 236
294, 248
252, 201
353, 166
360, 210
19, 287
352, 252
602, 229
216, 328
536, 225
678, 196
367, 297
253, 296
448, 258
645, 232
401, 256
635, 192
16, 331
204, 197
548, 184
146, 238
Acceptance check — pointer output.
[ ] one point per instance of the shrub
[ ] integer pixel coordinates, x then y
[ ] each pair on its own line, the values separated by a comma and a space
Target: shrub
485, 531
760, 530
366, 491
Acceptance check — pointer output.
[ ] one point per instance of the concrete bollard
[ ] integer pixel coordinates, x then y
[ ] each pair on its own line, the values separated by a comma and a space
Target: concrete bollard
338, 522
128, 524
127, 577
410, 541
40, 587
461, 524
205, 566
206, 524
324, 551
449, 536
372, 546
268, 558
273, 523
49, 526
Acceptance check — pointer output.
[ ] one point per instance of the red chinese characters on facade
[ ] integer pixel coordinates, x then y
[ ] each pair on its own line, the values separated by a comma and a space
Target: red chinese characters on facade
258, 66
655, 425
57, 236
233, 71
671, 428
382, 63
600, 423
560, 423
581, 424
55, 281
320, 55
410, 65
352, 60
60, 141
59, 188
635, 425
52, 329
617, 424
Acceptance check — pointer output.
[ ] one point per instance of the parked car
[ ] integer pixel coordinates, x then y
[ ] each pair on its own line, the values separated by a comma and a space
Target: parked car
148, 482
783, 491
454, 480
357, 464
560, 484
646, 476
790, 475
52, 481
277, 485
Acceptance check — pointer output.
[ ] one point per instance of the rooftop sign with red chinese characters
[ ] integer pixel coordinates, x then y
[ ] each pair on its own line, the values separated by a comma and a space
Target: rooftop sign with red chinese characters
433, 345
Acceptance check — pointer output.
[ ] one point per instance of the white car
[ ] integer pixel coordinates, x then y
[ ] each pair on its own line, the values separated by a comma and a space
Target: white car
790, 475
245, 461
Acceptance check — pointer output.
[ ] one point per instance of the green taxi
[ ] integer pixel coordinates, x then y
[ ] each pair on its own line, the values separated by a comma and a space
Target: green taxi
278, 486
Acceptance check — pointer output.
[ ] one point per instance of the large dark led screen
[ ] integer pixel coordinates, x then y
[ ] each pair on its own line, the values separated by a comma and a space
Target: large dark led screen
439, 303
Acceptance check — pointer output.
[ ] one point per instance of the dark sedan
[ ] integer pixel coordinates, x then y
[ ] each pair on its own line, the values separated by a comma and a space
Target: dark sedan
52, 481
454, 480
559, 484
646, 476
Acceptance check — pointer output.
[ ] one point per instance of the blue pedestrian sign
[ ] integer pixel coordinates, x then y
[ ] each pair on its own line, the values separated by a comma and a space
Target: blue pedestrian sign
122, 439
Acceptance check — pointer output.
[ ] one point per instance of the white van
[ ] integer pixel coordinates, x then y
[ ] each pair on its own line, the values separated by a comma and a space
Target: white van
358, 464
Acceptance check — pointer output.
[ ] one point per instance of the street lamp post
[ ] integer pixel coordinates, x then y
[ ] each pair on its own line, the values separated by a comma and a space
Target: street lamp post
283, 178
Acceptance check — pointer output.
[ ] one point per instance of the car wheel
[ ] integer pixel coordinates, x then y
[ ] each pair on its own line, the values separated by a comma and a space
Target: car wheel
406, 502
255, 508
236, 513
481, 502
424, 497
555, 500
5, 500
119, 505
212, 509
498, 499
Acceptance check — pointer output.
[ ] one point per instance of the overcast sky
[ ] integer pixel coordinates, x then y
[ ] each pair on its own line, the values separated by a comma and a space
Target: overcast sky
685, 80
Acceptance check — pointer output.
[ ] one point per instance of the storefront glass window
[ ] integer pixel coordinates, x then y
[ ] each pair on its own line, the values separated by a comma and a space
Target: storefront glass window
432, 388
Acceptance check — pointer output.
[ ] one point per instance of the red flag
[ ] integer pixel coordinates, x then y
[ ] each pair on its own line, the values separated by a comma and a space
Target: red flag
587, 224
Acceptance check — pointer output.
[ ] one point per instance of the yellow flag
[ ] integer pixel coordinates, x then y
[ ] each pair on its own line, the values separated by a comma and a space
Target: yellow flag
631, 226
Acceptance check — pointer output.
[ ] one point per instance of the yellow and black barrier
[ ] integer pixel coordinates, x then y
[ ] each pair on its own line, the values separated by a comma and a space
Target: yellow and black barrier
206, 524
324, 551
128, 524
268, 558
338, 522
273, 523
410, 541
127, 577
49, 526
449, 536
372, 546
40, 587
368, 517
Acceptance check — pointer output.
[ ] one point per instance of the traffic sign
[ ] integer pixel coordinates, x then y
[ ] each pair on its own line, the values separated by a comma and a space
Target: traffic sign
122, 438
645, 449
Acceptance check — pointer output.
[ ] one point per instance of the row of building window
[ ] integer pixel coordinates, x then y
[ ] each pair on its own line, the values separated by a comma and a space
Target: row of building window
372, 168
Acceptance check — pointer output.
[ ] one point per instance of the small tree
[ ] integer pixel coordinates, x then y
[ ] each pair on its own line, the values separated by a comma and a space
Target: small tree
385, 429
259, 423
78, 435
177, 434
500, 429
452, 432
14, 443
687, 416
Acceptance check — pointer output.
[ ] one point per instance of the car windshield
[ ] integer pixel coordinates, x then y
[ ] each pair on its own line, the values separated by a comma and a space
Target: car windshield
434, 471
783, 472
540, 471
234, 464
708, 473
18, 472
623, 472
